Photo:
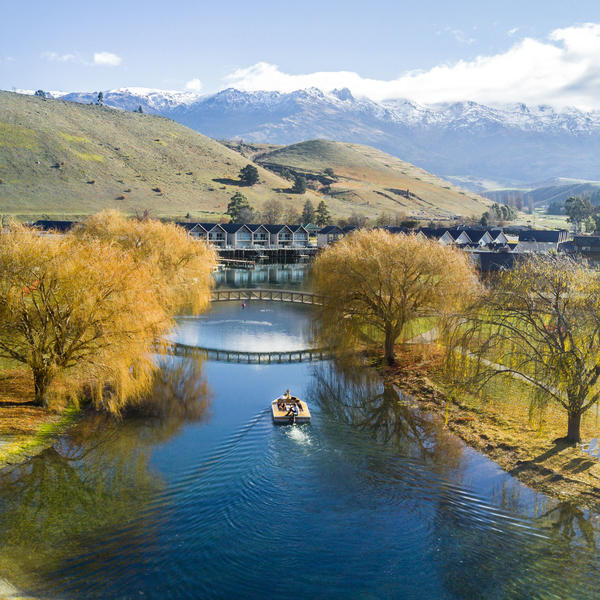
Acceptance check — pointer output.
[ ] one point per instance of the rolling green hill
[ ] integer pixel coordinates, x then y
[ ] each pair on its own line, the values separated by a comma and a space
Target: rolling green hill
66, 159
63, 160
371, 180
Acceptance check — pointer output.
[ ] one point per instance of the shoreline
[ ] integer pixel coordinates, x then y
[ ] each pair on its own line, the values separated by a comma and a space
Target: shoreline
553, 467
14, 452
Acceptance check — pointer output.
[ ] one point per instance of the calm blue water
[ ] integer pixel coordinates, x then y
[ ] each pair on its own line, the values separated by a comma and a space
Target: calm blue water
203, 497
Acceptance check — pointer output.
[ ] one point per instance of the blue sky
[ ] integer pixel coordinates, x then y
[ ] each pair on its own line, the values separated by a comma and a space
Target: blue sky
428, 50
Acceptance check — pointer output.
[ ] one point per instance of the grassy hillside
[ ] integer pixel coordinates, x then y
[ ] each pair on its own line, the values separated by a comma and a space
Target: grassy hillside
66, 159
63, 160
372, 181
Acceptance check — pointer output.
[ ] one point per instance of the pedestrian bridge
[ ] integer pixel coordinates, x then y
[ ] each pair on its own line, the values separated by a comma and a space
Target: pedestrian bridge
243, 356
274, 295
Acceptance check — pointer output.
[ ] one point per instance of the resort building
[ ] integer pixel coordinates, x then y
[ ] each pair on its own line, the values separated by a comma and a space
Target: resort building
329, 235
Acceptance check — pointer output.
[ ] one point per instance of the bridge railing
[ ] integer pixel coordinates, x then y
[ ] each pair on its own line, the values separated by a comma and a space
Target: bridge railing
274, 295
242, 356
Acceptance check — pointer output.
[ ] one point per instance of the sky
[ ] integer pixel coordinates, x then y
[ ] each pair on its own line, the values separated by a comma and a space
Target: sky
532, 51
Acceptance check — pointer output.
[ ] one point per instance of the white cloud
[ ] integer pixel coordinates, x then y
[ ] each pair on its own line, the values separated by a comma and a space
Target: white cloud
563, 69
460, 36
56, 57
107, 59
194, 85
512, 31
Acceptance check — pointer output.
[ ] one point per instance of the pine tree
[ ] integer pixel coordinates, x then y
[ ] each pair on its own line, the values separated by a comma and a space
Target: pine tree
308, 213
249, 175
299, 186
100, 99
239, 208
322, 215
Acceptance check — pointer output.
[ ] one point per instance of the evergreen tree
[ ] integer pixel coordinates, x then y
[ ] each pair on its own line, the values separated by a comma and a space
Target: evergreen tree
308, 213
249, 175
140, 109
100, 99
299, 186
239, 208
578, 209
322, 216
41, 94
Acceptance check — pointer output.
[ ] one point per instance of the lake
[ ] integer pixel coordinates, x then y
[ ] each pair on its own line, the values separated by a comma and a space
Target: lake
201, 496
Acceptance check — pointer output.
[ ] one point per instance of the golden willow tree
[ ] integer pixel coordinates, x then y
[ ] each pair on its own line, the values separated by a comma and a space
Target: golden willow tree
180, 267
539, 322
373, 281
84, 310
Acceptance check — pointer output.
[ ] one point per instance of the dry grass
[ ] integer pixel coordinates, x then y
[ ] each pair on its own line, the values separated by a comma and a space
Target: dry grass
18, 416
64, 159
372, 181
500, 423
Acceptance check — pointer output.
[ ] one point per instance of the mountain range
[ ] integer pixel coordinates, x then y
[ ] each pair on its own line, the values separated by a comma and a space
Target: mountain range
478, 146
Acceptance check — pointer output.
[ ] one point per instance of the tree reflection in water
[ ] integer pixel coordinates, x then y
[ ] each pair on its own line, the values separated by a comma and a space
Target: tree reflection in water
354, 395
470, 535
95, 480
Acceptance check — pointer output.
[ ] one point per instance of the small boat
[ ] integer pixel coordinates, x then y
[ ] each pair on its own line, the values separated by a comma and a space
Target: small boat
283, 409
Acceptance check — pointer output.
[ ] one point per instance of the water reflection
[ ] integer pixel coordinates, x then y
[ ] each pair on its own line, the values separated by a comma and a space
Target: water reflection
95, 481
479, 551
193, 498
347, 391
259, 326
289, 276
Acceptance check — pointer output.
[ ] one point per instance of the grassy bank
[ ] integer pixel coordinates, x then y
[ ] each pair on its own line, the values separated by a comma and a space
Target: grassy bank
505, 424
25, 429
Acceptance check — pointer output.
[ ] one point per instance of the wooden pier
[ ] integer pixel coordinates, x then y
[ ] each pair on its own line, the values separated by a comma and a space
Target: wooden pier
268, 255
273, 295
237, 263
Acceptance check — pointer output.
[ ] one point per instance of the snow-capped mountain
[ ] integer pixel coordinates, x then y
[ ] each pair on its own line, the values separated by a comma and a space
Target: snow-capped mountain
510, 144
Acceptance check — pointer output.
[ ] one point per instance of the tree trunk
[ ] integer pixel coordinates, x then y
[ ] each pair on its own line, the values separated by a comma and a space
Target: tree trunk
41, 381
390, 355
573, 434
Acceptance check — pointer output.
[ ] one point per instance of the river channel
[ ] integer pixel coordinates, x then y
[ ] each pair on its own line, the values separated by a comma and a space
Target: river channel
201, 496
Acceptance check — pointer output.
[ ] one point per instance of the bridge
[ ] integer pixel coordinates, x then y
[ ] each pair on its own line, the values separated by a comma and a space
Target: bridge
274, 295
243, 356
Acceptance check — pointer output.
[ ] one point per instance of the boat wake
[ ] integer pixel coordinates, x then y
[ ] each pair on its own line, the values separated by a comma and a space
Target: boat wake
299, 435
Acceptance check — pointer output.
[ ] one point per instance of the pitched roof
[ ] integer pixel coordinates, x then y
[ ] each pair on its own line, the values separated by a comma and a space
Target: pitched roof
210, 226
188, 226
331, 229
394, 229
276, 228
45, 225
542, 235
234, 227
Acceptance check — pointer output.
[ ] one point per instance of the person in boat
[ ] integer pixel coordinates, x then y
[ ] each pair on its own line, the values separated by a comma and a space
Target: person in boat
292, 411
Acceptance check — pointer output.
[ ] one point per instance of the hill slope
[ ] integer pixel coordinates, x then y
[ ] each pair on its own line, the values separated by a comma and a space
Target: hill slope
65, 159
512, 144
372, 180
68, 159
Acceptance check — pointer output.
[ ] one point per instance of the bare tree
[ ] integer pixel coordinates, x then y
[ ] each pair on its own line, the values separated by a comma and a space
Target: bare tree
540, 323
272, 211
